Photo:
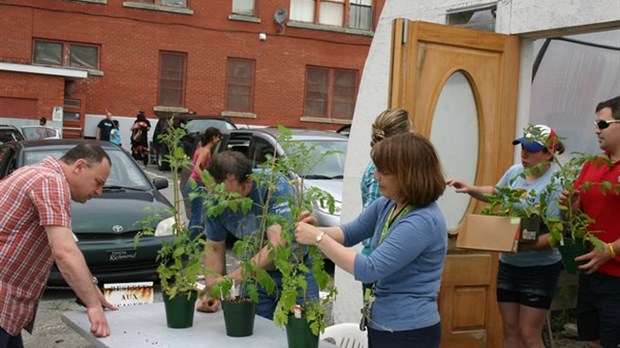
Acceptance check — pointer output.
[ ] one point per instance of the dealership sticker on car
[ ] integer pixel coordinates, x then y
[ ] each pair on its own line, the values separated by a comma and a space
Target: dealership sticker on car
122, 255
128, 294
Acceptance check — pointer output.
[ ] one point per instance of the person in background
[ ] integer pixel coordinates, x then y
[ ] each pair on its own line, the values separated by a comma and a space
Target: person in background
390, 122
409, 244
105, 126
234, 170
139, 136
526, 280
598, 298
115, 134
200, 162
35, 232
41, 133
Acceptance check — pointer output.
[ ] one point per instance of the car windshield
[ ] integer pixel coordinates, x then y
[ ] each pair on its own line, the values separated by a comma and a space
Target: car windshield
125, 172
332, 165
199, 125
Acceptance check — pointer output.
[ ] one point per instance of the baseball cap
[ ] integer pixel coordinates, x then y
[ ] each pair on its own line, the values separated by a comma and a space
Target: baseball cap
537, 138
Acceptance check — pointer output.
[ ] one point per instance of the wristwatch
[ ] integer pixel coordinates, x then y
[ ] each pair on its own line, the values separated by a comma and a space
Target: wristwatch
319, 238
95, 281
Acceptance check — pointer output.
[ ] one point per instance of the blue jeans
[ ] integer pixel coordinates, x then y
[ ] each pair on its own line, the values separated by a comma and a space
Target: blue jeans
267, 303
196, 219
8, 341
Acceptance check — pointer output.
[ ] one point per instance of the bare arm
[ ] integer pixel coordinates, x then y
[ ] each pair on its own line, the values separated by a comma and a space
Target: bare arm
214, 261
73, 268
477, 192
262, 259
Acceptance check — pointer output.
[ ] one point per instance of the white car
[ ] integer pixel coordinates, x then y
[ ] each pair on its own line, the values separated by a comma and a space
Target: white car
41, 132
326, 175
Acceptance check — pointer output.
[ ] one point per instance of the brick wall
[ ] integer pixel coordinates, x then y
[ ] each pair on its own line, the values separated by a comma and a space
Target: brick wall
131, 40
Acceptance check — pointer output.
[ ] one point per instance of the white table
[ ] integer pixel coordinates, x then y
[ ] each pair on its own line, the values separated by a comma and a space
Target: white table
145, 326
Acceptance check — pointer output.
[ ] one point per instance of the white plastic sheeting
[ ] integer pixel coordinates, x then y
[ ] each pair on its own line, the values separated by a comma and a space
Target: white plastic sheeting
571, 80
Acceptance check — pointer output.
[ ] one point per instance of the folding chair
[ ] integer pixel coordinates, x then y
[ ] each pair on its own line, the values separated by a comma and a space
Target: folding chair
346, 335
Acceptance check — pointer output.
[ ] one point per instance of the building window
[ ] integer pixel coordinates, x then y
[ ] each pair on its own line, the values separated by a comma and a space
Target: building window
360, 14
172, 78
176, 3
66, 54
330, 93
240, 84
355, 14
243, 7
478, 19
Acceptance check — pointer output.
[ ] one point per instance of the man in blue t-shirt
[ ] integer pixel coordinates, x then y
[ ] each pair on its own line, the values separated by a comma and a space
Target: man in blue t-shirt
234, 170
104, 127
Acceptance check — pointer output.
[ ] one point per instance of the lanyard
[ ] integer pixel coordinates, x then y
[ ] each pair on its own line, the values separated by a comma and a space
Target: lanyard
389, 222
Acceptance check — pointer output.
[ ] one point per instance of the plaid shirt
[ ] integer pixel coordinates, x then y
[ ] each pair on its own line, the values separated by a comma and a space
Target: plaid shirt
370, 191
32, 197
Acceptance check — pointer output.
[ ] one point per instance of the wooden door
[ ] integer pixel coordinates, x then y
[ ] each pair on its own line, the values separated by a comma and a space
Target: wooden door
424, 58
73, 117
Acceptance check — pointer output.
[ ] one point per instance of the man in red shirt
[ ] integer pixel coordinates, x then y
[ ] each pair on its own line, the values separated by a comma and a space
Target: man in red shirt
35, 231
598, 301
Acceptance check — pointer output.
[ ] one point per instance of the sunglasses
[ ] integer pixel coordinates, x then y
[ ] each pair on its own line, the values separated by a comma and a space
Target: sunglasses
602, 124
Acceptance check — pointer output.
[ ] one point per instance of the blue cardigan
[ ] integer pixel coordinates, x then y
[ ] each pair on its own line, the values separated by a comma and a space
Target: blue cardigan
406, 266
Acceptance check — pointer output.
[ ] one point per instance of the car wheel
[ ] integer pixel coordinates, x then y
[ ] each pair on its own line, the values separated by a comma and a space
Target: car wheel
161, 162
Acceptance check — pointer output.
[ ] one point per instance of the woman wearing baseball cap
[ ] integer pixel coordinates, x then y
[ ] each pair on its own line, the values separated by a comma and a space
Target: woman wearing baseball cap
526, 280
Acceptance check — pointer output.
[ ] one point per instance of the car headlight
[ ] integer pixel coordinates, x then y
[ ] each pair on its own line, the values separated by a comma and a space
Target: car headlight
323, 207
164, 227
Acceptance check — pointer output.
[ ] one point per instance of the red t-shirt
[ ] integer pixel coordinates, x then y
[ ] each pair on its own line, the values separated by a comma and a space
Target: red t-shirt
604, 208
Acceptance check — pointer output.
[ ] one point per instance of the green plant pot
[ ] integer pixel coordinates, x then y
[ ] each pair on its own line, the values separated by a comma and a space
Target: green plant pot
239, 317
180, 310
569, 251
299, 335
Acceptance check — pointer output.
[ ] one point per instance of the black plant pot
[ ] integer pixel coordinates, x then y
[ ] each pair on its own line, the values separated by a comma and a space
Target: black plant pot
239, 317
180, 310
569, 251
299, 334
529, 229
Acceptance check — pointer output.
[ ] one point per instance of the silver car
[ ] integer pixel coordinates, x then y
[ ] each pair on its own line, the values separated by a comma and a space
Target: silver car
326, 175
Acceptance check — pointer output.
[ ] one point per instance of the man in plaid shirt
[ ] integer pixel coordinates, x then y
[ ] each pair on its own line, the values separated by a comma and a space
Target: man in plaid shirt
35, 231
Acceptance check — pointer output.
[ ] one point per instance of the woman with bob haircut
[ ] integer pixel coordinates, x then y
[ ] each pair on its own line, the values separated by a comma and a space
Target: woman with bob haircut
409, 242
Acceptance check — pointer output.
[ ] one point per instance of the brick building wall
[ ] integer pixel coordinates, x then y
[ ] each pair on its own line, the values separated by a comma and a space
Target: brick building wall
130, 41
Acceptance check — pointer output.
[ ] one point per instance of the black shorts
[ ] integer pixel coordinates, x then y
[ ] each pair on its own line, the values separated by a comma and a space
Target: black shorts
532, 286
598, 309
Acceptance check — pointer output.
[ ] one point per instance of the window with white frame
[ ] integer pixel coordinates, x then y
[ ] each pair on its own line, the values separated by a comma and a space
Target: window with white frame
172, 78
68, 54
355, 14
330, 92
243, 7
176, 3
240, 84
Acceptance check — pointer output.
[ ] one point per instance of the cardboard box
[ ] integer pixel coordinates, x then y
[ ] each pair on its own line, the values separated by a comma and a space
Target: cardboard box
490, 233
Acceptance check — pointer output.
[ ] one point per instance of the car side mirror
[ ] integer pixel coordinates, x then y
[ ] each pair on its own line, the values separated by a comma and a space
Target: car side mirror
160, 183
